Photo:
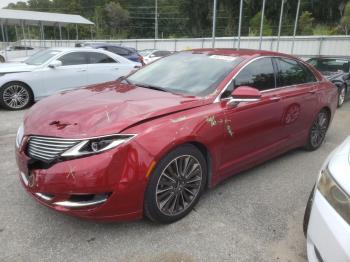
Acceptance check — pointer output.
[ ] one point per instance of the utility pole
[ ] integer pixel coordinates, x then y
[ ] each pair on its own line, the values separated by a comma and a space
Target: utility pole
295, 27
262, 23
156, 20
240, 24
214, 25
280, 26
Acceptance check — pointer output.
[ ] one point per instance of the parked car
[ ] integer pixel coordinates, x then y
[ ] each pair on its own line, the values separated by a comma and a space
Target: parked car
16, 53
55, 70
150, 55
337, 70
150, 143
327, 215
127, 52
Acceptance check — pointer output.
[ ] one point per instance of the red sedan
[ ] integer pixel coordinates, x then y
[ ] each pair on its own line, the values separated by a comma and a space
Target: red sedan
151, 143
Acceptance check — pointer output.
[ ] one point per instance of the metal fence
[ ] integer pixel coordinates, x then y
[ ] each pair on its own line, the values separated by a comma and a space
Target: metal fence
307, 46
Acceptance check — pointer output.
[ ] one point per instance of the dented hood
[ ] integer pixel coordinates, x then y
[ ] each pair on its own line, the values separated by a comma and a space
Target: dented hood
102, 109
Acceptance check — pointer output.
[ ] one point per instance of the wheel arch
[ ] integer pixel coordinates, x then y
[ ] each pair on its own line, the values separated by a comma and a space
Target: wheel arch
208, 159
21, 82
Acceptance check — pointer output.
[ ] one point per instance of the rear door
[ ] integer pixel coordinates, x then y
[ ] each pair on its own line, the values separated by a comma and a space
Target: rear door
297, 86
253, 128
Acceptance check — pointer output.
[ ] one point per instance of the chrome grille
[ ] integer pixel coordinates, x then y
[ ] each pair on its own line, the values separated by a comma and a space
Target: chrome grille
48, 148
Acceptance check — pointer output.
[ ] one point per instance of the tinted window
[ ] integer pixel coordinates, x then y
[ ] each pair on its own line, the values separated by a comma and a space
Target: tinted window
118, 50
290, 72
98, 58
331, 65
259, 74
76, 58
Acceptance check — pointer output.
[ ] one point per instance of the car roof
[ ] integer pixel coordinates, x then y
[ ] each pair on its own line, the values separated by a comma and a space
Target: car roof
239, 52
331, 57
97, 45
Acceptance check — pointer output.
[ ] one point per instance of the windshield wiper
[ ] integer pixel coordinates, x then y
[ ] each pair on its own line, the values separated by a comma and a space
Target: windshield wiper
152, 87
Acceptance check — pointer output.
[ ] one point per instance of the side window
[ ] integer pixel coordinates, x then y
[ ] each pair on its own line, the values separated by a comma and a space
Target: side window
259, 74
158, 53
98, 58
118, 50
76, 58
291, 72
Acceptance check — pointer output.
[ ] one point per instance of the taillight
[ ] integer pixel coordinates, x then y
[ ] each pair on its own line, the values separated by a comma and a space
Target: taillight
141, 60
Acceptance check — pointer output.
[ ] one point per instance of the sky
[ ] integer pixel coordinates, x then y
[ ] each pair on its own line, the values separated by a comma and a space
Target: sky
4, 3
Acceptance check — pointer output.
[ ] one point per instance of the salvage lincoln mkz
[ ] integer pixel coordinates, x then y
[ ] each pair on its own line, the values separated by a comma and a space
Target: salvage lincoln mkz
150, 143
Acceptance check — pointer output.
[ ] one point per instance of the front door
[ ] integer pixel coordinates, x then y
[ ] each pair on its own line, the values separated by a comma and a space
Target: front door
71, 75
253, 128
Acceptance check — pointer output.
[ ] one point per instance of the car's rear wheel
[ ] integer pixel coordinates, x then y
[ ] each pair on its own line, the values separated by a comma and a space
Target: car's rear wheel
2, 59
341, 96
175, 185
15, 96
318, 130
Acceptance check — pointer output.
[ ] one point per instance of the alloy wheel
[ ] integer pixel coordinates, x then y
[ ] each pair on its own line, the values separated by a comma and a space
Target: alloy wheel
178, 185
319, 129
15, 96
341, 98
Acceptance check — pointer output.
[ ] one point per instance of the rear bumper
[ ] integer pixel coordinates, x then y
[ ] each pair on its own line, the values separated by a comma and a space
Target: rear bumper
328, 234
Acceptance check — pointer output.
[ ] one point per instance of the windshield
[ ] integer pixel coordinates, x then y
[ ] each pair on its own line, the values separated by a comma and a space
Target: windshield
191, 73
145, 52
330, 65
41, 57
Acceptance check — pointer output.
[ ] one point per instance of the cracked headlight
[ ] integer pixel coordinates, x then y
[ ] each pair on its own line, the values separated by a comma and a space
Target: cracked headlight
334, 194
96, 145
19, 136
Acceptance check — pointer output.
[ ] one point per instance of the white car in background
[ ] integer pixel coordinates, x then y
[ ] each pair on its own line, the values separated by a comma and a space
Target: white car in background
151, 55
327, 215
16, 53
58, 69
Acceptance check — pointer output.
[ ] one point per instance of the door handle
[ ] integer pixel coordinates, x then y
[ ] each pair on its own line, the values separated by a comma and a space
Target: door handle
275, 98
116, 68
81, 70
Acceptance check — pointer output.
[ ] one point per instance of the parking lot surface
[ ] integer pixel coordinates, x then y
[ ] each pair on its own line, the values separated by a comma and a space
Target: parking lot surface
254, 216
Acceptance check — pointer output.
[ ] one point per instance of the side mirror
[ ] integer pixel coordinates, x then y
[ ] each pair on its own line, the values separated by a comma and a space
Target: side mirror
55, 63
244, 94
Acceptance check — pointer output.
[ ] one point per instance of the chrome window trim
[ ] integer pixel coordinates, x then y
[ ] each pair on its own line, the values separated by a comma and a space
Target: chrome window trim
218, 98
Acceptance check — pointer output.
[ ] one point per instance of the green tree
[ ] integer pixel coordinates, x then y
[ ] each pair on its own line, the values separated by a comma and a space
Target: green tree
116, 17
345, 20
254, 24
306, 23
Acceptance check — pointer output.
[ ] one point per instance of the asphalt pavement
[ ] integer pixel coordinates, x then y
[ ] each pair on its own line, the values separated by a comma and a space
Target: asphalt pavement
254, 216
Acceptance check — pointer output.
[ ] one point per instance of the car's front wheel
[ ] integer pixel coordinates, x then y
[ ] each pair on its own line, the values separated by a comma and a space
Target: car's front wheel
15, 96
341, 96
2, 59
175, 185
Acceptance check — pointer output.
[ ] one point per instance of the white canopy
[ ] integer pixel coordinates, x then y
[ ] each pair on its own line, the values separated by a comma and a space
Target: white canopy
16, 17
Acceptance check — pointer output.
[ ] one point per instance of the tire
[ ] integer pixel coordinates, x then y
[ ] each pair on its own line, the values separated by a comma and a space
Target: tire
308, 211
318, 130
16, 96
341, 95
2, 59
167, 196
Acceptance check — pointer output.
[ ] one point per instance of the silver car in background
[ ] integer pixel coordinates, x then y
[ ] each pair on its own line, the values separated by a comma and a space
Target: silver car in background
55, 70
327, 215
